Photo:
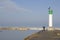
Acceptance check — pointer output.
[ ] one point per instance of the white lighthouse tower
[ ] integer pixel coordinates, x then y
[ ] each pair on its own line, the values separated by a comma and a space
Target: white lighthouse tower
50, 19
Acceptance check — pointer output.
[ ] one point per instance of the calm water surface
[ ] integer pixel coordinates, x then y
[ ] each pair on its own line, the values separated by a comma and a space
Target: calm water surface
15, 35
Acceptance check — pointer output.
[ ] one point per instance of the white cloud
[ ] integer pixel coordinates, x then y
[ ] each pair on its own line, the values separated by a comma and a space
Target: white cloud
7, 6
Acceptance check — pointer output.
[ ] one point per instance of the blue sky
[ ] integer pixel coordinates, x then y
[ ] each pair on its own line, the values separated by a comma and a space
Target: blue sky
28, 12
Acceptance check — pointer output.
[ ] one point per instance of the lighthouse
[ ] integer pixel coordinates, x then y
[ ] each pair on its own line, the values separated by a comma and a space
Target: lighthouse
50, 12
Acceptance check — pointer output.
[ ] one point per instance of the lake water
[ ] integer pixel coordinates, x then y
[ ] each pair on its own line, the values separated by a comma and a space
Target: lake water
15, 35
